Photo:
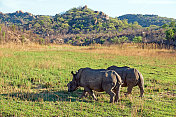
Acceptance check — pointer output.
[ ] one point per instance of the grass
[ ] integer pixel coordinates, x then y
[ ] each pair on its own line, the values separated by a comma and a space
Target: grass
33, 81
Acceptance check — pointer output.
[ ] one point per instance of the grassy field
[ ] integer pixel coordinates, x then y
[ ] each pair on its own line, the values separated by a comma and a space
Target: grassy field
33, 81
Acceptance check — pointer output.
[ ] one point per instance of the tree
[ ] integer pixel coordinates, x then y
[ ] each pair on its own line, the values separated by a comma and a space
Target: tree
170, 34
136, 25
165, 26
13, 27
137, 39
172, 24
4, 35
122, 39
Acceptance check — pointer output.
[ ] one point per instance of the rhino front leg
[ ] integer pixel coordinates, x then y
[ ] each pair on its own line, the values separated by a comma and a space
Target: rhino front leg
129, 90
90, 92
83, 94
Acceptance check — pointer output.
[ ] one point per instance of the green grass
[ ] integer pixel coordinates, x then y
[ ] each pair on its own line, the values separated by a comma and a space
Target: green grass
33, 82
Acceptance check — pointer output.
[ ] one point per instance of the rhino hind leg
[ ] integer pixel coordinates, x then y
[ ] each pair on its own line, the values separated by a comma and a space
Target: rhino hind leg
109, 89
141, 90
117, 92
112, 95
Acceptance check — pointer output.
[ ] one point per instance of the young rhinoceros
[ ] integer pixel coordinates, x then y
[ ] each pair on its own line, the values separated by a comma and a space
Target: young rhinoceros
98, 80
131, 77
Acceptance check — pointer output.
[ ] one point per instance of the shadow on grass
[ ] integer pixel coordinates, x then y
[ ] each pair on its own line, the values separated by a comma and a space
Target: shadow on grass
47, 96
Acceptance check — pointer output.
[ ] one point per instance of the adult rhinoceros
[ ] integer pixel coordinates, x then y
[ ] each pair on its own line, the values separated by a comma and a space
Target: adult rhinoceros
131, 77
98, 80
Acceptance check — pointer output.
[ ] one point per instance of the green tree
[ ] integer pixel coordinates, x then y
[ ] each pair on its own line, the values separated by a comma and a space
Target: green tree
172, 24
136, 25
137, 39
170, 34
123, 39
22, 39
4, 34
13, 27
165, 26
36, 25
117, 40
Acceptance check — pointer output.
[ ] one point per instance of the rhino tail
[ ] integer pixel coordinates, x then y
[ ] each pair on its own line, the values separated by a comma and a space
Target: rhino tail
118, 78
141, 78
141, 84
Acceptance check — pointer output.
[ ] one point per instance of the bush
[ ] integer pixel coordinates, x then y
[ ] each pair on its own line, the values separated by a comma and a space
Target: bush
137, 39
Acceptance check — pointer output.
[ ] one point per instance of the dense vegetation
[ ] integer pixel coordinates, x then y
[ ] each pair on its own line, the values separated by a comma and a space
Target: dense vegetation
84, 26
146, 20
80, 20
75, 20
17, 18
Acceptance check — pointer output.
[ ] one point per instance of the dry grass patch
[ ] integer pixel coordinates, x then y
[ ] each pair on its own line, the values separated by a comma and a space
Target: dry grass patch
129, 51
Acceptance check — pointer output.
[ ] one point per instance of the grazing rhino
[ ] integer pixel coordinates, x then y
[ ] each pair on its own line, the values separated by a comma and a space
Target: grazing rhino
98, 80
131, 77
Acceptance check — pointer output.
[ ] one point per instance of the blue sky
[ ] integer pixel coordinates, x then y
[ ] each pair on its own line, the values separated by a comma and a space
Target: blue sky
113, 8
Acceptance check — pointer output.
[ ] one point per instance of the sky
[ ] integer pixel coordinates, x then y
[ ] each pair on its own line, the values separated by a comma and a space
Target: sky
113, 8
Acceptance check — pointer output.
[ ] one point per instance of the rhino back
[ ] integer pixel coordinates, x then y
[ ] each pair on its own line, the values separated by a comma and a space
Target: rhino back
98, 79
92, 78
119, 70
127, 74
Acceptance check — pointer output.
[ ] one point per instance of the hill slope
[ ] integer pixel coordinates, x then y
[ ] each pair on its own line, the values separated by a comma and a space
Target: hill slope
146, 20
17, 18
84, 26
76, 21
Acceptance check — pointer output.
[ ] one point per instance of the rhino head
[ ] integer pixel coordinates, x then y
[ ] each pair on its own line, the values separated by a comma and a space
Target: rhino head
73, 85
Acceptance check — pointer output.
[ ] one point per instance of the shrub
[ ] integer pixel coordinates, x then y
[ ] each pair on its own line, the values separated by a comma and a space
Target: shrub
137, 39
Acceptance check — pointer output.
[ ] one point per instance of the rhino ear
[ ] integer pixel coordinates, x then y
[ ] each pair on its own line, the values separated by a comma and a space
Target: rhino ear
72, 72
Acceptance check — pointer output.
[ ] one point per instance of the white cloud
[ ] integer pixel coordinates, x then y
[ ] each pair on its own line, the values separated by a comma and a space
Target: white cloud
152, 1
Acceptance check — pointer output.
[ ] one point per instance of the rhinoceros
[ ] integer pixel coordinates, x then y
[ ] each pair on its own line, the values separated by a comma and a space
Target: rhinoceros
98, 80
131, 77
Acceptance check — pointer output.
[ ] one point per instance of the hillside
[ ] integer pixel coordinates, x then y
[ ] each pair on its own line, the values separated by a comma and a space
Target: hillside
74, 21
84, 26
13, 34
17, 18
146, 20
81, 20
